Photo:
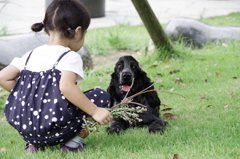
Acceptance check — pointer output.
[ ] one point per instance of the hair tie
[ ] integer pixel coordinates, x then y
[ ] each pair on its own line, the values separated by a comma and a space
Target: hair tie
69, 29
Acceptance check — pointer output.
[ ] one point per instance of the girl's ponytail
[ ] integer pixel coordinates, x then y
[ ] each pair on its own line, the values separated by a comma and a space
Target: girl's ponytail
37, 27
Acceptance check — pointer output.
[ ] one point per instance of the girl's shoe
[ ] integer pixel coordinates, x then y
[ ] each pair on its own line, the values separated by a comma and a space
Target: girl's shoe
65, 148
31, 148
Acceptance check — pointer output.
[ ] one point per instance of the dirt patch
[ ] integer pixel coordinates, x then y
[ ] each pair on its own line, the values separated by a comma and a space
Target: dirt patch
101, 61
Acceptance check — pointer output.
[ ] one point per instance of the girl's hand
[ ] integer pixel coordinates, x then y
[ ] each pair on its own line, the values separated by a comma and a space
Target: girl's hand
102, 115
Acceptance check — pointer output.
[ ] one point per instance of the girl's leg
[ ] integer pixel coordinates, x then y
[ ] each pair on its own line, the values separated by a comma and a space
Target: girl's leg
100, 98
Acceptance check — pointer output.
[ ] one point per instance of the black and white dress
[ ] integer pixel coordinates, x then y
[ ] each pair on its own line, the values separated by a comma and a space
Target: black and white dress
36, 107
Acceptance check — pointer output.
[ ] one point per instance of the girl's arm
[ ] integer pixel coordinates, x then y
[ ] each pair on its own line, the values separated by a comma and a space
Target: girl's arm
8, 77
74, 94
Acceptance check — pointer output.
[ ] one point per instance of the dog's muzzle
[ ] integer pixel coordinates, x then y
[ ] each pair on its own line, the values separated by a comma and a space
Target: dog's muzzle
126, 79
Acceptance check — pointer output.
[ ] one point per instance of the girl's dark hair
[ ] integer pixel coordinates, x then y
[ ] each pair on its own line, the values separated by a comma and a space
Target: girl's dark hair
64, 16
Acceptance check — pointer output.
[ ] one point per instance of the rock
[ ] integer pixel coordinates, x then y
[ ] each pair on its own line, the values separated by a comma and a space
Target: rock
18, 45
195, 33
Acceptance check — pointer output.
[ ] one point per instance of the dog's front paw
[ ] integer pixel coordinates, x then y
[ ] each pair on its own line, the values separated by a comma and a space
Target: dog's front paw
114, 129
158, 129
164, 123
158, 126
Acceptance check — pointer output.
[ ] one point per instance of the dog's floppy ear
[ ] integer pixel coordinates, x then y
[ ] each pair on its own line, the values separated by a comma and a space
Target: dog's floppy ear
153, 98
111, 88
142, 75
146, 82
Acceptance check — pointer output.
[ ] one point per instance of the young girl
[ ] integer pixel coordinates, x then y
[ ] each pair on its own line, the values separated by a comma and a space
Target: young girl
45, 105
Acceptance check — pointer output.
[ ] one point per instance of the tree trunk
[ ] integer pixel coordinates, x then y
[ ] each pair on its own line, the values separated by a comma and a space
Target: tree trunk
152, 25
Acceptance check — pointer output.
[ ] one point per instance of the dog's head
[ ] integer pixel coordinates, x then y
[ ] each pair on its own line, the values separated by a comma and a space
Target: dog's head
127, 72
126, 69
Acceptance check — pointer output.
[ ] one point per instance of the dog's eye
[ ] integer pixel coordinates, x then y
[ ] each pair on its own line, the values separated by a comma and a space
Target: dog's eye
119, 66
133, 66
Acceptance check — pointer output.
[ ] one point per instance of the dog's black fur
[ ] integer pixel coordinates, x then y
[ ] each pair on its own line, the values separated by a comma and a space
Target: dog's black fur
125, 70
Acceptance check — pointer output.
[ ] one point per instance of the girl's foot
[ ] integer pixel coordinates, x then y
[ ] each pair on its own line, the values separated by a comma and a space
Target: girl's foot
65, 148
31, 148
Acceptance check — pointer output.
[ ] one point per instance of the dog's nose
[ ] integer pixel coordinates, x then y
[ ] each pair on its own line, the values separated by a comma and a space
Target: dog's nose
127, 75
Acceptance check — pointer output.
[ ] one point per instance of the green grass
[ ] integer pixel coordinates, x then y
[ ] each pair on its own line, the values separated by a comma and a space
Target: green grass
207, 124
102, 41
3, 30
230, 20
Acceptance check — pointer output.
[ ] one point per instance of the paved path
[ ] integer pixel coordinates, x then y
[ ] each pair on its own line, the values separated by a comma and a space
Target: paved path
19, 15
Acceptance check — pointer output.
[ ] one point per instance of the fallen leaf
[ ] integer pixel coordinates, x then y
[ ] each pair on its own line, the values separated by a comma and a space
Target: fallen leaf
172, 89
139, 53
225, 106
169, 66
161, 86
109, 72
206, 80
3, 150
174, 71
224, 45
157, 63
178, 80
234, 77
173, 117
167, 59
100, 79
183, 84
176, 156
159, 74
209, 106
167, 109
218, 74
167, 115
204, 98
232, 94
158, 80
164, 105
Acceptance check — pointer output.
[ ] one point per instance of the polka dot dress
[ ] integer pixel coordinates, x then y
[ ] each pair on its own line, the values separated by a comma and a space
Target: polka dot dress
40, 113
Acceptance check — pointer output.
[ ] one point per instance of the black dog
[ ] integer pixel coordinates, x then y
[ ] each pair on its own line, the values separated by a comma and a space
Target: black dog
127, 69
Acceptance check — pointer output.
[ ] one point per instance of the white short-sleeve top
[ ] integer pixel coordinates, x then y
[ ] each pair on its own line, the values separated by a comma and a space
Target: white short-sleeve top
44, 57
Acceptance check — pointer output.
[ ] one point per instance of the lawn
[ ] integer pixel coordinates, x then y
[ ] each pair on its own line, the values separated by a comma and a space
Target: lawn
206, 124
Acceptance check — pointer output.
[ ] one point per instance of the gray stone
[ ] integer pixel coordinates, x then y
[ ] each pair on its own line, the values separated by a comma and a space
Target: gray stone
195, 33
18, 45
